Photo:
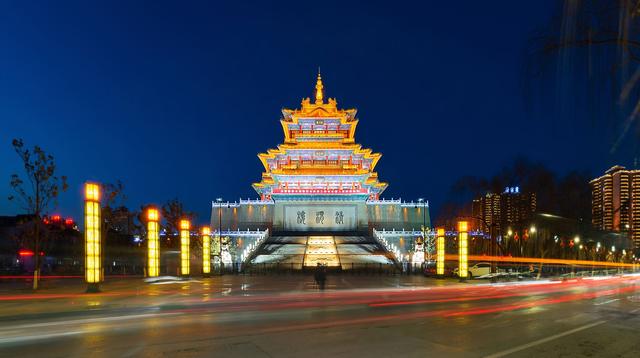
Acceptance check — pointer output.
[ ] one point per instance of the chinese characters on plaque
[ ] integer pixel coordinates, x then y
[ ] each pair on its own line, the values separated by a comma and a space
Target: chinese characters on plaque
320, 217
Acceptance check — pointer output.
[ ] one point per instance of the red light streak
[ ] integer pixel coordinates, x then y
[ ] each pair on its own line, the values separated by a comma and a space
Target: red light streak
543, 302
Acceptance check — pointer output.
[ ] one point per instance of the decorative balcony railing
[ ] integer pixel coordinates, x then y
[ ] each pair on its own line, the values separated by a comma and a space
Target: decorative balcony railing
250, 249
304, 132
390, 247
404, 204
236, 204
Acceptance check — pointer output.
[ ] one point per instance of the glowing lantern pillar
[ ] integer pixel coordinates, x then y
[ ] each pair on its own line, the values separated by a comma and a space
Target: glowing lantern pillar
93, 245
440, 251
185, 225
463, 249
206, 250
153, 243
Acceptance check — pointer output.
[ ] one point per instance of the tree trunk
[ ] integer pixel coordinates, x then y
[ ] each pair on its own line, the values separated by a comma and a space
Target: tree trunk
36, 271
540, 266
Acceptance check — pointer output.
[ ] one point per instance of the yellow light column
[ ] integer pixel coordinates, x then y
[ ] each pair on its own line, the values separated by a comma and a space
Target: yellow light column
206, 250
93, 246
440, 251
185, 225
153, 243
463, 249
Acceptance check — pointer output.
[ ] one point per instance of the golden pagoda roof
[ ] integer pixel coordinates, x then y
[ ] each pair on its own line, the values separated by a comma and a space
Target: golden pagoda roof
319, 126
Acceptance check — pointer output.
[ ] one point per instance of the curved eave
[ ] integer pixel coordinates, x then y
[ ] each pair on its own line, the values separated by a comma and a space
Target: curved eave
287, 137
270, 154
352, 130
375, 158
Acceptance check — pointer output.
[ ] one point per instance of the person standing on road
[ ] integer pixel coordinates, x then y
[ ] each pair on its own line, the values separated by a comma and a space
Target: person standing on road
320, 276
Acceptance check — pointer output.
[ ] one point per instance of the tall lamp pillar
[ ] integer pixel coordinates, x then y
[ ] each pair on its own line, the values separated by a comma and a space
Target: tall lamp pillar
463, 249
93, 245
206, 250
440, 234
185, 225
153, 243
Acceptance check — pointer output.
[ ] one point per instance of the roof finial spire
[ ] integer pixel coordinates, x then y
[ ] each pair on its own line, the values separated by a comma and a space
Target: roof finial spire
319, 88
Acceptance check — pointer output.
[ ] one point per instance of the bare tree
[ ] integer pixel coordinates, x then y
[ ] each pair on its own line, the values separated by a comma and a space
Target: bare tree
40, 190
172, 212
113, 196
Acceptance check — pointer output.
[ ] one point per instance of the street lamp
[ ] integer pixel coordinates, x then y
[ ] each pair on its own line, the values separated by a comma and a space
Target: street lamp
424, 224
93, 245
206, 250
185, 225
494, 244
153, 243
463, 249
440, 254
576, 240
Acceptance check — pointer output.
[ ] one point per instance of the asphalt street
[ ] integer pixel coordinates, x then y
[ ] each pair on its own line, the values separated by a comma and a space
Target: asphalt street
287, 316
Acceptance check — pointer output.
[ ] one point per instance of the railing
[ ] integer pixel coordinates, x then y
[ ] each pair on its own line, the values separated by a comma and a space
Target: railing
235, 204
320, 191
296, 133
250, 250
256, 202
416, 204
384, 202
506, 272
392, 248
403, 232
334, 163
404, 204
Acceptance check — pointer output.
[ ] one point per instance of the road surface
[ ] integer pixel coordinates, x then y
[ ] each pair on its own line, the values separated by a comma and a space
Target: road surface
286, 316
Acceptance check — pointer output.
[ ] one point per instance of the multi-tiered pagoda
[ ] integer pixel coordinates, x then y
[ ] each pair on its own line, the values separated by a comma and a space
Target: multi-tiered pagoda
319, 158
319, 198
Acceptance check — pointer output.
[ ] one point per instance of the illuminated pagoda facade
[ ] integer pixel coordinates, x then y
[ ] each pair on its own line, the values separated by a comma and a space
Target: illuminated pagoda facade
320, 182
319, 159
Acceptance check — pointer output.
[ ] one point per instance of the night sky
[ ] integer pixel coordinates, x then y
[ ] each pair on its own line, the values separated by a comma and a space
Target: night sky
176, 99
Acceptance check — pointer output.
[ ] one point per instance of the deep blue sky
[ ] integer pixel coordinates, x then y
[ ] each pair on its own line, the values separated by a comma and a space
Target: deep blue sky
177, 98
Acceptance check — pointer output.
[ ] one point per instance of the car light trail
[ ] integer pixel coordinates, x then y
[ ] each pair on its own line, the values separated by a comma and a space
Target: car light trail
536, 260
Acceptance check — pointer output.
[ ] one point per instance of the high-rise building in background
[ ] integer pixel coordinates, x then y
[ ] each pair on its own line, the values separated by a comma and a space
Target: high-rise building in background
615, 201
502, 210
